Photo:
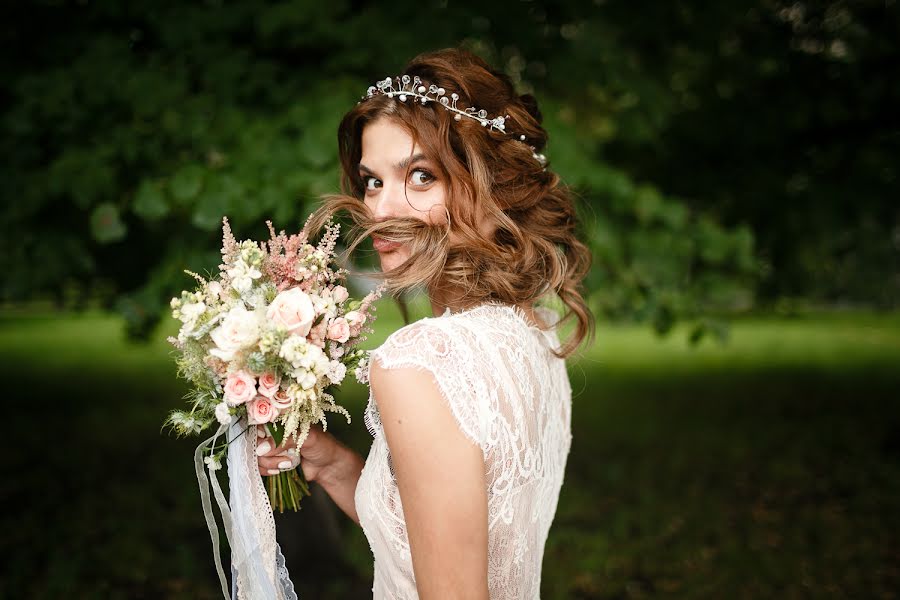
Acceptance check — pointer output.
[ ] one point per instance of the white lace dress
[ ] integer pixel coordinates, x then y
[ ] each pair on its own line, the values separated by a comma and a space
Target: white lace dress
510, 395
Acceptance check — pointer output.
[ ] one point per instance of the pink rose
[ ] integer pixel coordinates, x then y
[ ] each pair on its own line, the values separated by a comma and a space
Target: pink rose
339, 330
268, 384
281, 400
317, 334
261, 411
339, 293
240, 387
293, 310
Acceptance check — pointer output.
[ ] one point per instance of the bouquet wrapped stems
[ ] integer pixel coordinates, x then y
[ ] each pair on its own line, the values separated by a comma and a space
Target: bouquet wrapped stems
288, 487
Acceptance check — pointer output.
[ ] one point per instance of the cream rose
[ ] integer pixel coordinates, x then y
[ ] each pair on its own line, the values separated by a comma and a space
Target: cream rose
239, 330
268, 384
240, 387
293, 310
339, 330
260, 411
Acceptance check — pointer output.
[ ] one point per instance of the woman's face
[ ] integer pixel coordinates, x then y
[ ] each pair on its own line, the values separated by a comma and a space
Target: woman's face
399, 182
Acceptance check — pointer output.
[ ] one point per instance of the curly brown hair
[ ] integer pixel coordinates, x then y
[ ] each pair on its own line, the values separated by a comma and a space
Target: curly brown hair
534, 251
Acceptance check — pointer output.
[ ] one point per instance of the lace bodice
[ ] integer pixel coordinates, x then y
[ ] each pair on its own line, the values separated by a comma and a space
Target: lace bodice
511, 396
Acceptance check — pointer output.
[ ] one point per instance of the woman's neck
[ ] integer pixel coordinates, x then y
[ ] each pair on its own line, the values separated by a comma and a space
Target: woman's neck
440, 302
444, 299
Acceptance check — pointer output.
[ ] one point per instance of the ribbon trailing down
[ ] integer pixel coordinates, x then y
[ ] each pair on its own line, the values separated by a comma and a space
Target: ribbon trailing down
257, 564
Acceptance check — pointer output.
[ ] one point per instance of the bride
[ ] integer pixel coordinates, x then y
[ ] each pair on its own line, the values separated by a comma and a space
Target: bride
469, 410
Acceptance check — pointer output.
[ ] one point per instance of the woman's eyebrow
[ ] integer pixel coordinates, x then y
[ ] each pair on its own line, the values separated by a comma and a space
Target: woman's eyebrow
400, 166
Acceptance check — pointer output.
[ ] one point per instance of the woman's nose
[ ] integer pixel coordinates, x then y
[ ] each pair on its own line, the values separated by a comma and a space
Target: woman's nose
389, 201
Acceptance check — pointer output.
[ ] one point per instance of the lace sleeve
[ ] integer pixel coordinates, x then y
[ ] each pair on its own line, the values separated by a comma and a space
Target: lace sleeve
448, 353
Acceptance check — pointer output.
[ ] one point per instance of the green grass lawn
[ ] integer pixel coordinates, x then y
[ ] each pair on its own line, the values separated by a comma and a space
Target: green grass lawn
766, 468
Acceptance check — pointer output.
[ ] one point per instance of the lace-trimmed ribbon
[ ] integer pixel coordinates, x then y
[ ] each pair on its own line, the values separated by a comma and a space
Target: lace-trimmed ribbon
257, 564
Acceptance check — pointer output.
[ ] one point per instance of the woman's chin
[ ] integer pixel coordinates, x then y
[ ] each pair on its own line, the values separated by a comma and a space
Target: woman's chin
392, 260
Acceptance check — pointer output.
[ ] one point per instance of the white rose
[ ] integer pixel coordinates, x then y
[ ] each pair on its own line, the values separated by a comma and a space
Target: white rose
239, 330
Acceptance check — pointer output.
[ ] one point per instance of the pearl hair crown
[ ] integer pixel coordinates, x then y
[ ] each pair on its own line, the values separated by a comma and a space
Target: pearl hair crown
416, 89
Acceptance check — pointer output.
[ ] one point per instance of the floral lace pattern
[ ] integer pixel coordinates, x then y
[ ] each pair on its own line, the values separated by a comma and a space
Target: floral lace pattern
509, 395
258, 566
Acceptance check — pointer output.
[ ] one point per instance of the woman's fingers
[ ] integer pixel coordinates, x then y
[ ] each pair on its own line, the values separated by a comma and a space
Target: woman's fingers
272, 465
266, 446
274, 458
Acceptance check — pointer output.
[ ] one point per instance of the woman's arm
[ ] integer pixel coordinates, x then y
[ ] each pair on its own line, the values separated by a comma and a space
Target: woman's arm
441, 477
324, 460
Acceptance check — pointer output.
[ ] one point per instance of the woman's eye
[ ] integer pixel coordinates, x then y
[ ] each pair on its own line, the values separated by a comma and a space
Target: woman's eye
421, 177
371, 183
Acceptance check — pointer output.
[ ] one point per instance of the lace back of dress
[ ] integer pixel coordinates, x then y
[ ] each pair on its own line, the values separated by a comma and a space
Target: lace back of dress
508, 394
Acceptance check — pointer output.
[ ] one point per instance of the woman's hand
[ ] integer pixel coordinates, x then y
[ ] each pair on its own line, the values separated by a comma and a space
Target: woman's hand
316, 454
323, 459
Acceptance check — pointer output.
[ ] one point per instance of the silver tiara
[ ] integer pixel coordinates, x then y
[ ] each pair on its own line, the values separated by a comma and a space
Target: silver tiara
415, 88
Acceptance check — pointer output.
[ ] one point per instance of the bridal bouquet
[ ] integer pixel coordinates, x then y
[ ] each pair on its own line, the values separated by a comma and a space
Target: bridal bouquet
266, 342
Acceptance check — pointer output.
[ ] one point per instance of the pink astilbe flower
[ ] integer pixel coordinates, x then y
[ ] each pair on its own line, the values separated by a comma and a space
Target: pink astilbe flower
281, 257
365, 310
230, 251
329, 239
366, 305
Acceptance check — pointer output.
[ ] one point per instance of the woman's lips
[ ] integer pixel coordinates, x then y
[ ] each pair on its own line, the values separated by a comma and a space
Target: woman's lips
383, 245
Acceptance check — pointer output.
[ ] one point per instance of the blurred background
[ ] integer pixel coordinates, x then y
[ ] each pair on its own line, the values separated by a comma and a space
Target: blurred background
736, 423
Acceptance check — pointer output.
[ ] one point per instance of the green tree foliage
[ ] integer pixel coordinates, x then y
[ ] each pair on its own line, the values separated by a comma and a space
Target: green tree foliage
783, 116
129, 129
